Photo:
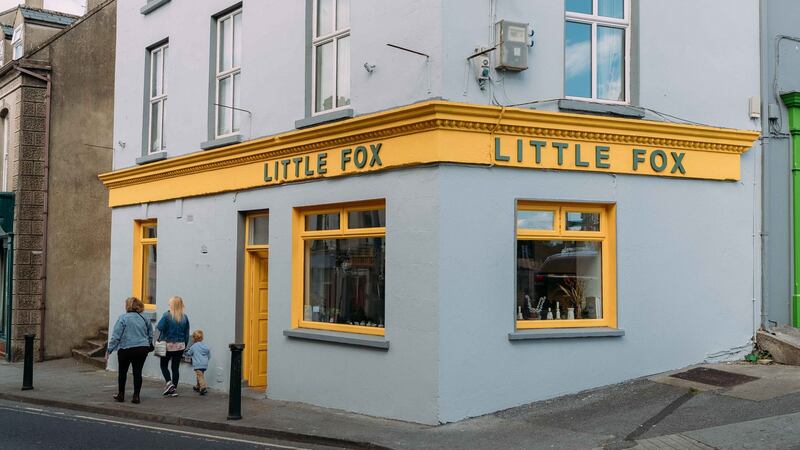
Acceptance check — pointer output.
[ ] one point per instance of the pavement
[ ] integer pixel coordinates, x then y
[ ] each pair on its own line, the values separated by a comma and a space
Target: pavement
656, 412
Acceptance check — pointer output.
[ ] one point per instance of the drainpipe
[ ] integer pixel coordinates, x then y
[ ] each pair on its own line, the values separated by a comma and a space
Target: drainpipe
9, 285
43, 277
792, 102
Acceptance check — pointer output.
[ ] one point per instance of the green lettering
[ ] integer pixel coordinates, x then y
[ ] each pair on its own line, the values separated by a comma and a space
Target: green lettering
321, 163
538, 150
297, 162
560, 146
658, 167
578, 162
677, 164
346, 157
637, 157
267, 178
306, 169
375, 159
497, 155
285, 163
519, 150
600, 155
360, 156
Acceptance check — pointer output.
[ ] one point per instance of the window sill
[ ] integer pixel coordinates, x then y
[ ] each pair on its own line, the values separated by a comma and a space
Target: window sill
221, 142
319, 119
152, 5
333, 337
607, 109
565, 333
152, 157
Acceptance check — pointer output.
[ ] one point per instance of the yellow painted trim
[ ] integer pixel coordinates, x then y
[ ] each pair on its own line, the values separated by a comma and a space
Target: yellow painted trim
433, 132
139, 242
607, 236
298, 257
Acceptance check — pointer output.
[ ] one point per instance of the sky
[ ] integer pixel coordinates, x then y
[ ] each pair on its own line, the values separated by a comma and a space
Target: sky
68, 6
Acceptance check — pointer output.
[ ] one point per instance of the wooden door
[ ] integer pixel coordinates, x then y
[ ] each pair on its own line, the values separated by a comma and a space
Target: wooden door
257, 289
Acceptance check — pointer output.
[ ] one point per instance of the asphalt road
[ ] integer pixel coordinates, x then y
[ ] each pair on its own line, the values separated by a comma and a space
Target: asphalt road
26, 427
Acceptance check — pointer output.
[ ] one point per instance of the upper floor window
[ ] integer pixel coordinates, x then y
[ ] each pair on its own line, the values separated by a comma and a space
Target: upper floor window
597, 50
228, 73
16, 43
331, 55
158, 98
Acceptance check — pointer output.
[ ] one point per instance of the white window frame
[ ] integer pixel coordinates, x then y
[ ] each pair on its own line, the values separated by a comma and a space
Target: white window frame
6, 143
17, 41
318, 41
594, 20
228, 73
157, 52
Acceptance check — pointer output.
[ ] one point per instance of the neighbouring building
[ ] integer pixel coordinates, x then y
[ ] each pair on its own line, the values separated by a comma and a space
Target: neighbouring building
56, 116
423, 210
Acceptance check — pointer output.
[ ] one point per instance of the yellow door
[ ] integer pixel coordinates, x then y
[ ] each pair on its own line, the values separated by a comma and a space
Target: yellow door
256, 319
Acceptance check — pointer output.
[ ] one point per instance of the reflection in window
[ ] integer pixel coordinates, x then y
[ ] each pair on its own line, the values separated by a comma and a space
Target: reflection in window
583, 221
595, 49
366, 219
318, 222
149, 266
559, 280
331, 48
344, 281
258, 230
535, 220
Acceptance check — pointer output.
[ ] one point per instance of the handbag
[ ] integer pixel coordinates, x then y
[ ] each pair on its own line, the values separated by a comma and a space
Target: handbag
160, 348
151, 347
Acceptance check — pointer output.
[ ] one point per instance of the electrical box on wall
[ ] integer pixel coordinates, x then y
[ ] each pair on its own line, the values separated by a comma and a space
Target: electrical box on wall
512, 45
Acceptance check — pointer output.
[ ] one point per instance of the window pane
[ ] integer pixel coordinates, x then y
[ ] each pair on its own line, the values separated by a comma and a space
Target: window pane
611, 8
149, 261
224, 45
342, 14
163, 124
559, 279
366, 219
535, 220
610, 63
259, 231
155, 130
150, 231
237, 40
324, 77
580, 6
583, 221
155, 74
345, 281
316, 222
578, 60
164, 70
237, 88
224, 100
343, 72
324, 17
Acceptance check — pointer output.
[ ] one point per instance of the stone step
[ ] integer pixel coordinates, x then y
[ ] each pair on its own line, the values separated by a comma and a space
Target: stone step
98, 342
86, 358
783, 343
103, 334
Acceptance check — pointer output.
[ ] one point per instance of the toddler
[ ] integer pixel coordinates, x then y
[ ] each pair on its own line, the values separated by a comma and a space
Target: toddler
200, 354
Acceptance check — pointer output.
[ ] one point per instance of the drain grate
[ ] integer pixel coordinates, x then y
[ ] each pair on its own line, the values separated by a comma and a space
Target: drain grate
714, 377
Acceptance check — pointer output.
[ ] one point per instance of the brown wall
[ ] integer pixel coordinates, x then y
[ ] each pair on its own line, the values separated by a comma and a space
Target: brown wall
81, 141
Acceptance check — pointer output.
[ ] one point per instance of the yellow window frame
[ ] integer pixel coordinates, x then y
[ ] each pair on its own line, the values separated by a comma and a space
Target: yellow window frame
606, 236
140, 241
298, 257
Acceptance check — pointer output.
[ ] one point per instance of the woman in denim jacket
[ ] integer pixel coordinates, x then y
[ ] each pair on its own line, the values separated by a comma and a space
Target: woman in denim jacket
131, 338
174, 329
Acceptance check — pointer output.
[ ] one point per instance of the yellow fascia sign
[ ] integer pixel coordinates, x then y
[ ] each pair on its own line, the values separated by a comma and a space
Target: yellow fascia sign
442, 132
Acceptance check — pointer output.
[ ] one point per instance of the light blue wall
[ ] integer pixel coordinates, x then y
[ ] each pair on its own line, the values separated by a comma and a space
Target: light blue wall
401, 383
685, 280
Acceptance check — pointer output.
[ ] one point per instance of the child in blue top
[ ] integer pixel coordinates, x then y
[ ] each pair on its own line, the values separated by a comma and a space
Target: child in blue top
200, 354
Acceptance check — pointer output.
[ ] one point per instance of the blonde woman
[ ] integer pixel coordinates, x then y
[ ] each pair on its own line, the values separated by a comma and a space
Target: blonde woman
131, 338
174, 329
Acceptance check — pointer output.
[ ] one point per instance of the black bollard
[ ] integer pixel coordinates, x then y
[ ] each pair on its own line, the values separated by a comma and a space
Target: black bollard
235, 391
27, 374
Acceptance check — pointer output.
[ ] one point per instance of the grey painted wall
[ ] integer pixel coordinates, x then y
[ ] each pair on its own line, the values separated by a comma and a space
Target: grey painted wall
779, 18
400, 383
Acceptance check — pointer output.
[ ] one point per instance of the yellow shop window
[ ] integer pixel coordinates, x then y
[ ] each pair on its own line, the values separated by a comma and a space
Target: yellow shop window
566, 268
145, 260
339, 258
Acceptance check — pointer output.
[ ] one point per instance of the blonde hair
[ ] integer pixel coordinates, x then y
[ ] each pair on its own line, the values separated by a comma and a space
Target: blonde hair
176, 308
133, 304
197, 335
